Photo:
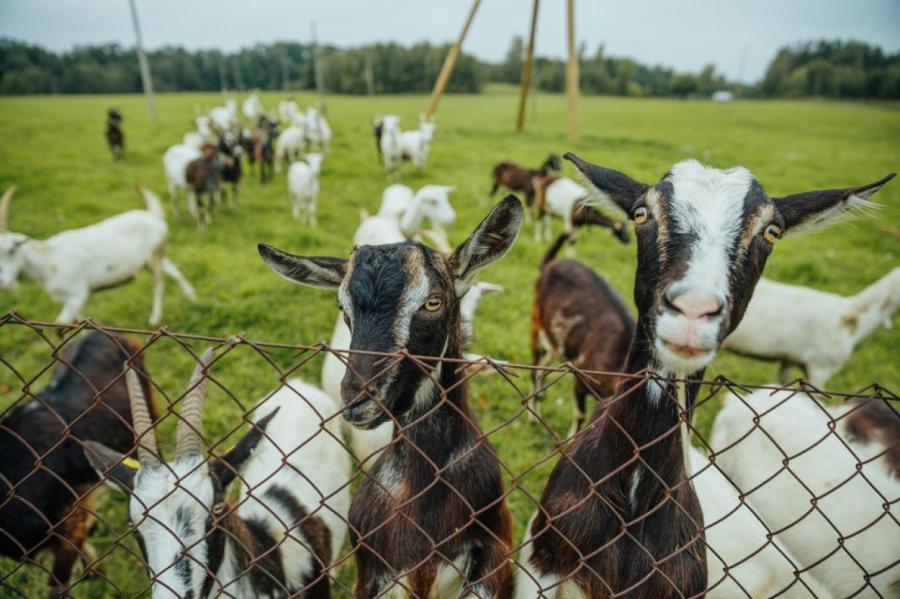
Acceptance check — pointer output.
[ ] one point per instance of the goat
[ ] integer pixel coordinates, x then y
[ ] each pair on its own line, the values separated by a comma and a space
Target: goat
223, 118
288, 110
175, 163
303, 186
290, 145
519, 179
115, 137
579, 317
69, 265
455, 534
812, 329
416, 145
203, 176
318, 133
45, 480
402, 212
289, 524
618, 515
814, 483
252, 107
563, 198
231, 170
387, 139
262, 141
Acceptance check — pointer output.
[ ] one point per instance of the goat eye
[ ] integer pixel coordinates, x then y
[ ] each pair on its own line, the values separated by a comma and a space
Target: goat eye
772, 233
641, 215
433, 304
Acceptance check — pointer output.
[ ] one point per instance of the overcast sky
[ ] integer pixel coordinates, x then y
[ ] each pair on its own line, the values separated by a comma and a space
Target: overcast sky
739, 36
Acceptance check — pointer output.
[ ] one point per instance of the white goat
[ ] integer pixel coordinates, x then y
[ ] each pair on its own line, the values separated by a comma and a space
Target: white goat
291, 144
812, 329
792, 449
225, 118
415, 145
72, 264
387, 131
175, 162
252, 107
303, 186
318, 133
557, 199
402, 212
287, 110
290, 517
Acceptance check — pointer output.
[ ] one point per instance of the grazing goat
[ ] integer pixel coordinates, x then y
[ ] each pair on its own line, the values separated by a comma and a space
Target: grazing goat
115, 138
416, 145
303, 186
580, 318
252, 107
203, 176
618, 515
563, 198
223, 118
387, 140
46, 484
231, 171
820, 480
175, 163
72, 264
430, 520
318, 133
519, 179
402, 212
290, 145
262, 141
279, 538
812, 329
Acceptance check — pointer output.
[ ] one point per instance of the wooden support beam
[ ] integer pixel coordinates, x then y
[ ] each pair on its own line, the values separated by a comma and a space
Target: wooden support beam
572, 73
527, 67
449, 64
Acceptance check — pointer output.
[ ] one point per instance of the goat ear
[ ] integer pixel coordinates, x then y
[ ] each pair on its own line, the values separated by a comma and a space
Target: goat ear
314, 271
490, 241
227, 467
115, 469
615, 189
810, 210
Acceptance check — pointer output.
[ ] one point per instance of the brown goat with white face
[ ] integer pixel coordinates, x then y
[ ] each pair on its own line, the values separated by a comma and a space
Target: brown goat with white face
430, 520
618, 516
580, 318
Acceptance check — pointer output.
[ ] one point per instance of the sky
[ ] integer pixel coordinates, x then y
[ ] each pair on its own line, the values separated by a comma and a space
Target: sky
738, 36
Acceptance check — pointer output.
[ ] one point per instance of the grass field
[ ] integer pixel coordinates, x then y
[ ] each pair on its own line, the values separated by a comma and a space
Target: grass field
56, 154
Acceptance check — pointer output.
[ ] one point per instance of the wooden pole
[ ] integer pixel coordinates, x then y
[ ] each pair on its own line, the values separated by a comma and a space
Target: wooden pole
449, 63
146, 78
572, 74
317, 67
527, 68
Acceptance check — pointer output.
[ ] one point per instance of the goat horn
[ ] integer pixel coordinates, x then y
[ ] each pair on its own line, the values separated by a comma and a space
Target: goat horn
4, 207
189, 440
144, 435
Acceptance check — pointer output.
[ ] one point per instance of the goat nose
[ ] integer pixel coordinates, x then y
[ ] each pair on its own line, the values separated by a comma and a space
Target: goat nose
694, 304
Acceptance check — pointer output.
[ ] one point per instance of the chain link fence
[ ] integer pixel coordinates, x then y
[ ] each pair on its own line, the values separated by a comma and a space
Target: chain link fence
237, 479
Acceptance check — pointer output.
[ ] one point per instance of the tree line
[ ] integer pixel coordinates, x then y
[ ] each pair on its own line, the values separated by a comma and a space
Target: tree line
832, 69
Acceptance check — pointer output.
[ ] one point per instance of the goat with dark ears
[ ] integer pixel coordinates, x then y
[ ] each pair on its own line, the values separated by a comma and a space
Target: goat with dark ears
619, 515
431, 519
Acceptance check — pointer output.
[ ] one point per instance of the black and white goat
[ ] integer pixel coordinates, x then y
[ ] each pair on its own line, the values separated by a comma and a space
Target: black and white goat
46, 484
279, 538
115, 137
430, 520
563, 198
619, 515
72, 264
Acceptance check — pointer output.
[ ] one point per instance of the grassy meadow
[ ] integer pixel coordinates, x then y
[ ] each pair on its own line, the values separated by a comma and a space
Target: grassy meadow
56, 153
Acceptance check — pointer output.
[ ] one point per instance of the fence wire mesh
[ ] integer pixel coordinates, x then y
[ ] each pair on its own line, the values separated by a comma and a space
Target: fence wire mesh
798, 487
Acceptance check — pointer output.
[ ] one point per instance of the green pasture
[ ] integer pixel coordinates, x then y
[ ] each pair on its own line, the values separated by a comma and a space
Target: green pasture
54, 150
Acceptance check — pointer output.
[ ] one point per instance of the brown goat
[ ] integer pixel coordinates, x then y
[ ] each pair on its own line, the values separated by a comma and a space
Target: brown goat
46, 484
519, 179
203, 175
579, 317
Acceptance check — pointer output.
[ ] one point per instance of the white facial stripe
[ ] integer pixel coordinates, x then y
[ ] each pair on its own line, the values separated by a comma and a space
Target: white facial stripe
414, 296
708, 203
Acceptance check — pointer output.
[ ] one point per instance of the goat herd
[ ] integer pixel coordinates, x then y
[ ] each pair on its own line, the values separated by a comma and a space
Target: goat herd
795, 500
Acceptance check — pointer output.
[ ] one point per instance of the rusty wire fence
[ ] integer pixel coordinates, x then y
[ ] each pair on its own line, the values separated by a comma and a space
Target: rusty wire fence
268, 492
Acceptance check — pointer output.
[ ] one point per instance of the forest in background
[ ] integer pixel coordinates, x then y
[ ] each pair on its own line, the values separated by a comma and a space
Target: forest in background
827, 69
